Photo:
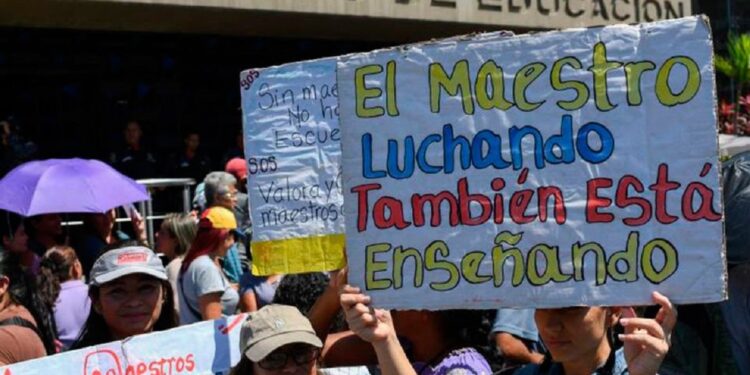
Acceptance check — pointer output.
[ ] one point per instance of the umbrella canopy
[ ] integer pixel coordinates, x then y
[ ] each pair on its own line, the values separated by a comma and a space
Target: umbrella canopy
67, 185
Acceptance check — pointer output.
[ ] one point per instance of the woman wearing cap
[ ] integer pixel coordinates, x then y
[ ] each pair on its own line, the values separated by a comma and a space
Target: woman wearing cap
205, 293
275, 339
130, 295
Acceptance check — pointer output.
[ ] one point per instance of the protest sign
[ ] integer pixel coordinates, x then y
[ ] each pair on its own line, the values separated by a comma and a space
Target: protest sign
210, 347
577, 167
293, 149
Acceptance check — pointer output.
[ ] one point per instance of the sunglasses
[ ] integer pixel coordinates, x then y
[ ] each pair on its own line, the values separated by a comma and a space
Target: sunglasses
301, 355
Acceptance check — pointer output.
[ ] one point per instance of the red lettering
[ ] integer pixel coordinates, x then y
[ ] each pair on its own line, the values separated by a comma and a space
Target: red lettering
465, 199
190, 362
180, 365
519, 202
362, 203
624, 200
594, 202
417, 207
662, 187
395, 213
545, 192
170, 361
497, 185
155, 367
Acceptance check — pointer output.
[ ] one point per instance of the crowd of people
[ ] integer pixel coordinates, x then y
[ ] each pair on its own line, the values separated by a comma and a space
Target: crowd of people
63, 289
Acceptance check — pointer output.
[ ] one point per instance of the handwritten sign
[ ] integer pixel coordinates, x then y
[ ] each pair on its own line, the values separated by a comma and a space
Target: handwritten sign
293, 146
203, 348
577, 167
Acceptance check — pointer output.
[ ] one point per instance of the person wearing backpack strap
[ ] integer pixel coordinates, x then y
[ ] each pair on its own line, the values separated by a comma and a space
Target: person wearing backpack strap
26, 325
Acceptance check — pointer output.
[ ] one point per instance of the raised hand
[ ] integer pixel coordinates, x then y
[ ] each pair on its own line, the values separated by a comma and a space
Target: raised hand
646, 341
371, 325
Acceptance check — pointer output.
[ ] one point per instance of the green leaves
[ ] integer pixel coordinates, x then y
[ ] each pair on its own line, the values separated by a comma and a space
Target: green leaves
737, 64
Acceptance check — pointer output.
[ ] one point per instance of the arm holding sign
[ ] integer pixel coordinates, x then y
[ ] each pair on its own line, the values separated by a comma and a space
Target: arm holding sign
375, 327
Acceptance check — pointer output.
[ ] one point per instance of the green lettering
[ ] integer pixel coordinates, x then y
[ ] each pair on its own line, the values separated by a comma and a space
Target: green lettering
491, 72
524, 77
665, 94
599, 69
362, 92
458, 81
400, 255
582, 91
372, 267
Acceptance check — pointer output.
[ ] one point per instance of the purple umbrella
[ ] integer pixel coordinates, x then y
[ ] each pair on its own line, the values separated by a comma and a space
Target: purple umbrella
67, 185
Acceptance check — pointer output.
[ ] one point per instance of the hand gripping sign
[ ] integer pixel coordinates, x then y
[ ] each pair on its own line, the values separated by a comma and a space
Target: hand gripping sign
577, 167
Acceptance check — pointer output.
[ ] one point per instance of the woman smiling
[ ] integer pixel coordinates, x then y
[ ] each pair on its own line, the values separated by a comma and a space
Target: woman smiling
130, 296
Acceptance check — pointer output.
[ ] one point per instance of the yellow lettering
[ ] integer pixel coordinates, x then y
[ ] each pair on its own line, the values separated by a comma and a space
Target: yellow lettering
524, 77
664, 92
633, 72
599, 69
431, 263
670, 260
458, 81
490, 72
372, 267
362, 92
400, 255
582, 91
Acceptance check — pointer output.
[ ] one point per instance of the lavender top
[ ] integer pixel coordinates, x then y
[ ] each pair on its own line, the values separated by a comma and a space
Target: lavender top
466, 361
71, 310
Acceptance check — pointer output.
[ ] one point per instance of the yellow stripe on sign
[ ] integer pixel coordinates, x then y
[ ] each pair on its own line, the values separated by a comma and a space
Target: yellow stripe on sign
299, 255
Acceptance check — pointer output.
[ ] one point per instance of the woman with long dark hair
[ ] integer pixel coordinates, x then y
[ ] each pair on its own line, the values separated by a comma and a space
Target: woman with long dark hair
63, 290
205, 292
27, 330
130, 295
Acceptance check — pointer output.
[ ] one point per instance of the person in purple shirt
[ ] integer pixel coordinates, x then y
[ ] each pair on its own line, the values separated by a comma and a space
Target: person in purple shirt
425, 344
62, 288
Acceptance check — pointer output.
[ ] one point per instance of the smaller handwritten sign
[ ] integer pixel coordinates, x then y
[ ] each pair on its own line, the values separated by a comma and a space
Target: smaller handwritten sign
293, 149
203, 348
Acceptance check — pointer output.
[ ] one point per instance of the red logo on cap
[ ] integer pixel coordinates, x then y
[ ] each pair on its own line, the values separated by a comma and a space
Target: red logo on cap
132, 258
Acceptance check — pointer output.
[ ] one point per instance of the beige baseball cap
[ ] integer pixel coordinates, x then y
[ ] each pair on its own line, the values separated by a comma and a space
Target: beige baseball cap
272, 327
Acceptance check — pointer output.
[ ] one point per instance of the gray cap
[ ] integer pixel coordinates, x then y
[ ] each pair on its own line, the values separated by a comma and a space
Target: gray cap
272, 327
126, 261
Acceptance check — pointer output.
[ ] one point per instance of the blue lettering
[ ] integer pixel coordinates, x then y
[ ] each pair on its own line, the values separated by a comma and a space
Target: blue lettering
485, 150
449, 148
563, 142
422, 163
605, 137
393, 169
367, 171
516, 149
494, 155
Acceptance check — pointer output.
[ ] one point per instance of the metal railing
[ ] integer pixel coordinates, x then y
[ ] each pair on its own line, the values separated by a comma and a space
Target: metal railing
145, 208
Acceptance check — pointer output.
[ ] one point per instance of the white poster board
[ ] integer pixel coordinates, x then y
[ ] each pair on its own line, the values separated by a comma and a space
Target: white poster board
293, 149
203, 348
577, 167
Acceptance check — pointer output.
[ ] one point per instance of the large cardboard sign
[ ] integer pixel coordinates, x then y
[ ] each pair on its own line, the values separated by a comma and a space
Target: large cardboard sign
577, 167
293, 149
203, 348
